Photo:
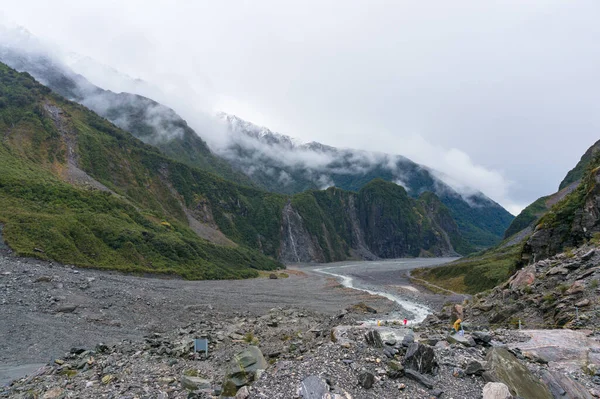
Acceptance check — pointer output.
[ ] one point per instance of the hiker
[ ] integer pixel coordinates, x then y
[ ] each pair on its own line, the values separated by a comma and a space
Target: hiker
457, 325
405, 321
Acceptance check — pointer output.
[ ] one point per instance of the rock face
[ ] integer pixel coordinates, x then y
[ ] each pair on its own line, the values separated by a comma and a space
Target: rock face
313, 387
505, 367
561, 291
572, 221
380, 221
420, 357
496, 390
243, 369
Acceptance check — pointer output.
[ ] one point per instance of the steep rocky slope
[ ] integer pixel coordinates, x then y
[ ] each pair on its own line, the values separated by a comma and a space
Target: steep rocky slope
281, 164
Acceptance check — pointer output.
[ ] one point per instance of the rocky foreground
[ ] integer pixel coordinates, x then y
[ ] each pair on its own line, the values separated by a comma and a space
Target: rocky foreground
299, 352
289, 353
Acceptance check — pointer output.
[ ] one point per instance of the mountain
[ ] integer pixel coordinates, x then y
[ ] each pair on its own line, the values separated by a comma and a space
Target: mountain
256, 156
282, 164
78, 189
149, 121
558, 222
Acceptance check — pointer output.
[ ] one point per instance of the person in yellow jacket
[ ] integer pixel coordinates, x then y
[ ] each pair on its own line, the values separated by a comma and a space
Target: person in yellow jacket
457, 325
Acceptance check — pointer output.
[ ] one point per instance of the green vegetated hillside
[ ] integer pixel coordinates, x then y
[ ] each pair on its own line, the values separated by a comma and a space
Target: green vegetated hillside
474, 273
77, 189
138, 225
149, 121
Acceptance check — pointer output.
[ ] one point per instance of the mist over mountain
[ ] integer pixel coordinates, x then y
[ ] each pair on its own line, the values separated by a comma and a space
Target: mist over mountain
255, 155
283, 164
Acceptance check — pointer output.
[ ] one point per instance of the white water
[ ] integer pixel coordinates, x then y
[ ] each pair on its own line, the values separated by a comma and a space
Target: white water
420, 312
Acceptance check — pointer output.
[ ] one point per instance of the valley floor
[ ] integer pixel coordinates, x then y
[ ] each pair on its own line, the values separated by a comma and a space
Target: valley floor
47, 308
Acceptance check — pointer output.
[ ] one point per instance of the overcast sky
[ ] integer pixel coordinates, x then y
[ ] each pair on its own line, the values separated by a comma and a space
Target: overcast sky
503, 95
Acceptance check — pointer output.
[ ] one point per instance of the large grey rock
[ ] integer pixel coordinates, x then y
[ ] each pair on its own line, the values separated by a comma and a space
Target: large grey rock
313, 387
503, 366
366, 379
562, 386
474, 368
243, 369
496, 390
420, 357
194, 383
374, 339
482, 337
465, 340
420, 378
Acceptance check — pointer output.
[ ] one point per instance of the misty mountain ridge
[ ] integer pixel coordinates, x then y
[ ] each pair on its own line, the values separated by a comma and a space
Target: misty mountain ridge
283, 164
256, 156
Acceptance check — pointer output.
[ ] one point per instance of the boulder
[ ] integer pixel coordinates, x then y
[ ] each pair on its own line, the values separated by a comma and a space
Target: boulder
374, 339
504, 367
273, 276
366, 379
395, 369
408, 340
496, 390
313, 387
465, 340
482, 337
242, 393
420, 357
420, 378
523, 278
243, 369
474, 368
576, 288
562, 386
588, 255
194, 383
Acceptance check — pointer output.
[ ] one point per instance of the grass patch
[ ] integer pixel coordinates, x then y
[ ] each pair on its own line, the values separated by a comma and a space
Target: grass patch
475, 273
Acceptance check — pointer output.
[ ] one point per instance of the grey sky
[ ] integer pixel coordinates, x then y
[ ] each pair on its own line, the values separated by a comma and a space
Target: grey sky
502, 95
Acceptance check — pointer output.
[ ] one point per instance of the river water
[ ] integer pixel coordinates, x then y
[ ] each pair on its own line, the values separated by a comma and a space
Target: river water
386, 278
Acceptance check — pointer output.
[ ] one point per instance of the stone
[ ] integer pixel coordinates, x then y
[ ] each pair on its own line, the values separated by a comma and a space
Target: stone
366, 379
576, 288
244, 368
496, 390
395, 369
503, 366
420, 378
582, 303
458, 372
465, 340
482, 337
313, 387
474, 368
558, 270
66, 309
437, 393
408, 340
53, 393
420, 357
273, 276
588, 255
523, 278
374, 339
242, 393
194, 383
